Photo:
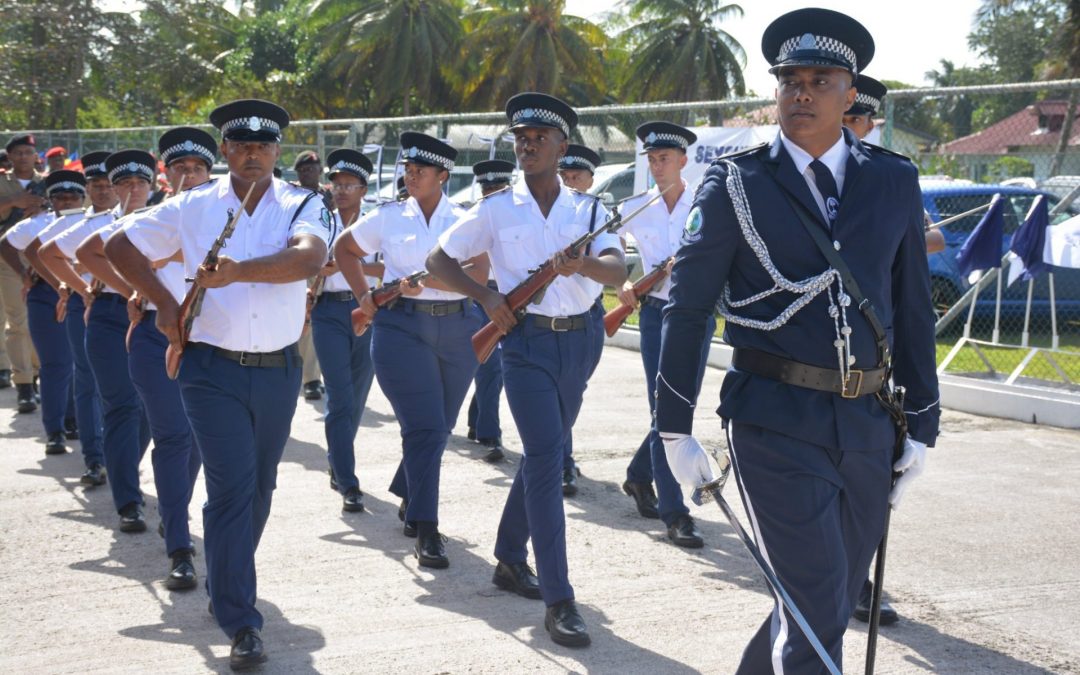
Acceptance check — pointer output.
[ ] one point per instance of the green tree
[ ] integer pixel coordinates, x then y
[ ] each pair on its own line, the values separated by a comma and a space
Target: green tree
678, 51
392, 50
529, 45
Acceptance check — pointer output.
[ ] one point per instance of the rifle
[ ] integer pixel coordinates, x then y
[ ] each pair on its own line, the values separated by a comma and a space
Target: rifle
320, 280
387, 294
97, 286
61, 304
533, 287
616, 317
140, 301
191, 307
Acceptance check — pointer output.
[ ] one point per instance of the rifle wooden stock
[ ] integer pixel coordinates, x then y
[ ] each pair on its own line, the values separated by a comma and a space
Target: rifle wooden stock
193, 299
131, 325
614, 319
387, 294
485, 339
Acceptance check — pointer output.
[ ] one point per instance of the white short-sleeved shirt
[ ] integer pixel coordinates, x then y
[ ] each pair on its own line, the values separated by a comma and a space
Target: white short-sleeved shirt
243, 316
171, 275
657, 231
398, 231
336, 282
509, 226
60, 225
24, 232
69, 240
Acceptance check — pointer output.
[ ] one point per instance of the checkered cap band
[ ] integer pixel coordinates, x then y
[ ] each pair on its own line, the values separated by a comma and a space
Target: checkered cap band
570, 162
251, 123
91, 170
65, 186
808, 41
546, 116
652, 138
868, 101
187, 147
351, 168
132, 169
495, 176
419, 153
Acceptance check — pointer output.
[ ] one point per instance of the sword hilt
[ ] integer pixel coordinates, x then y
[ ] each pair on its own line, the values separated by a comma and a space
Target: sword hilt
710, 491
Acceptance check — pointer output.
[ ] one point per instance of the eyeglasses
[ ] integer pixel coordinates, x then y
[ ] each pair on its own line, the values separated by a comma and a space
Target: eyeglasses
351, 187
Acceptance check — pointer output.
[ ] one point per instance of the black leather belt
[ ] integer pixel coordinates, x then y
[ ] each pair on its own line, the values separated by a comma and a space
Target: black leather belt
653, 302
337, 296
860, 382
434, 308
109, 296
560, 324
278, 359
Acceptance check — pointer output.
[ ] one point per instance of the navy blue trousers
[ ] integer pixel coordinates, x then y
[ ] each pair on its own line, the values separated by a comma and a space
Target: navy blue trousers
54, 353
424, 365
127, 431
175, 456
347, 371
241, 417
85, 392
817, 515
484, 406
545, 374
650, 462
596, 315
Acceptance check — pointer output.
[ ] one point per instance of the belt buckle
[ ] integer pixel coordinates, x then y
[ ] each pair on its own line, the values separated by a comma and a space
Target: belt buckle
555, 324
441, 309
852, 392
243, 360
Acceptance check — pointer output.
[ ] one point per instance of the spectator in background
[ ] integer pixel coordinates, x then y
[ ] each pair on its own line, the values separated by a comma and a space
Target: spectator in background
5, 163
308, 169
55, 158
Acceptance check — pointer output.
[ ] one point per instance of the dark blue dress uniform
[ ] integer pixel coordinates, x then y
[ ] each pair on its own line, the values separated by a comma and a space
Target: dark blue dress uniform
484, 406
420, 345
240, 374
344, 356
126, 429
813, 467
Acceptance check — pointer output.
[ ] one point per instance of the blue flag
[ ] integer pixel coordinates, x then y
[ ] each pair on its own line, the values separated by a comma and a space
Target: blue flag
982, 250
1028, 244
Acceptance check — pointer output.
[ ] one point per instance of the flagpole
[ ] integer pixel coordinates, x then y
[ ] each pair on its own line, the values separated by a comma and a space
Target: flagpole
997, 312
1054, 340
1027, 314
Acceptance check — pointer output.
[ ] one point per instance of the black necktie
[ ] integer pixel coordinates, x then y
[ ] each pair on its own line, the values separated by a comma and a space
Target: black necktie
826, 185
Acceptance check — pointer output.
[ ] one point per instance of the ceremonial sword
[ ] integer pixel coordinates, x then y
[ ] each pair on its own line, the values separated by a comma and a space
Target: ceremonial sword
713, 491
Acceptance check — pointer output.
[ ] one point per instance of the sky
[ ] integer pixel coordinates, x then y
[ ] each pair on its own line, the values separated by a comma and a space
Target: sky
911, 37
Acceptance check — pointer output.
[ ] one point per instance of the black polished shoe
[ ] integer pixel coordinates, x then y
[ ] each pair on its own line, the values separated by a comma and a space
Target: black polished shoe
181, 572
312, 390
26, 402
353, 501
430, 551
569, 481
37, 391
517, 578
94, 476
247, 649
565, 624
889, 615
683, 532
71, 429
131, 518
5, 378
408, 527
333, 481
55, 444
471, 435
495, 449
644, 497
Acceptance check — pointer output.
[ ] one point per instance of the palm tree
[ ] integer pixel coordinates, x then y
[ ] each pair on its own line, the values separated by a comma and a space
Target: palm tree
396, 48
678, 52
530, 45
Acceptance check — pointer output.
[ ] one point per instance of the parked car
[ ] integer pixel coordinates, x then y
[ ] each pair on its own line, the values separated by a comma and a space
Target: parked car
943, 199
616, 180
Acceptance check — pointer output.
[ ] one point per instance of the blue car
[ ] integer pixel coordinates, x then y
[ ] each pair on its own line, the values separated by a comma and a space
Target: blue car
943, 199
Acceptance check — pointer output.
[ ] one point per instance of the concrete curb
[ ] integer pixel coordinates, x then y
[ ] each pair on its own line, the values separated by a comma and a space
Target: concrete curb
1034, 405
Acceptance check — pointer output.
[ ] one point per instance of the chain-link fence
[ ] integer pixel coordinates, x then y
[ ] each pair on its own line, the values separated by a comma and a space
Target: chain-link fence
1020, 140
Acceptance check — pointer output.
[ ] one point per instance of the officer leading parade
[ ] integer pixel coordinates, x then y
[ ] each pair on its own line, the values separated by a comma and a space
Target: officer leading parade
269, 302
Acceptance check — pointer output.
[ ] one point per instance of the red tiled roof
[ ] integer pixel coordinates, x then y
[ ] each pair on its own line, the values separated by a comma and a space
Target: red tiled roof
1019, 130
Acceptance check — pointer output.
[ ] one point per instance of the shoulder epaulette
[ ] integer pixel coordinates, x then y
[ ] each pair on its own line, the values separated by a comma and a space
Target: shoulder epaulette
483, 197
70, 212
200, 186
741, 153
582, 194
884, 151
99, 214
640, 194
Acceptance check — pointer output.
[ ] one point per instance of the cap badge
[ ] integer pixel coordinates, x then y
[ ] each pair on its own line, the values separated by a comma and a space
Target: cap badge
188, 145
807, 41
528, 112
491, 175
412, 152
253, 123
651, 138
339, 166
132, 166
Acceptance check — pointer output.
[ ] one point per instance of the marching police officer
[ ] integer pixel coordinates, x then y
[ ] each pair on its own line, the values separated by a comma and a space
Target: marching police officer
812, 249
240, 373
308, 168
421, 345
346, 357
657, 231
66, 190
70, 309
547, 352
578, 166
492, 175
126, 430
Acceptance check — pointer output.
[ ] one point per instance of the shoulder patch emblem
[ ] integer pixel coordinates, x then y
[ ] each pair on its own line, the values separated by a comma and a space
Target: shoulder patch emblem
326, 219
692, 229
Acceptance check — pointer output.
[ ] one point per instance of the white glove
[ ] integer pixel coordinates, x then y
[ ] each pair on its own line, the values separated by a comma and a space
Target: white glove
687, 460
910, 465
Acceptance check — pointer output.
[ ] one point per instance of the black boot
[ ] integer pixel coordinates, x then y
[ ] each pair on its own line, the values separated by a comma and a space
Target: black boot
26, 402
181, 572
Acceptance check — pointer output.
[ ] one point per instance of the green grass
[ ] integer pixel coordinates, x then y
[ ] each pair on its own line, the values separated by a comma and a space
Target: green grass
1003, 359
